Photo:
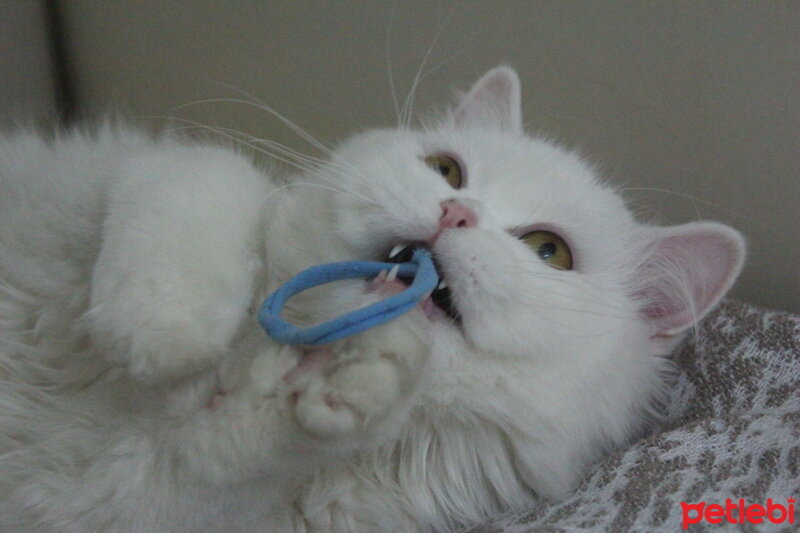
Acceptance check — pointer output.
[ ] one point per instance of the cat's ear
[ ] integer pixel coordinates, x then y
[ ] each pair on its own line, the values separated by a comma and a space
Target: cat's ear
683, 272
494, 99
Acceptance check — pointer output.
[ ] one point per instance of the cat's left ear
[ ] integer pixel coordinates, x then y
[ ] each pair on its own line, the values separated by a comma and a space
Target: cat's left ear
494, 99
683, 272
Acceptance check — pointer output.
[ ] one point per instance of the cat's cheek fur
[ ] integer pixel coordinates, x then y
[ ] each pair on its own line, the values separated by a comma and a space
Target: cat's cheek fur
564, 403
535, 312
393, 195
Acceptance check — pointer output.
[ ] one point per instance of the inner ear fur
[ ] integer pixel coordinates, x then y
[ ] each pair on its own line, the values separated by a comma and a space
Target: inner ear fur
683, 273
494, 99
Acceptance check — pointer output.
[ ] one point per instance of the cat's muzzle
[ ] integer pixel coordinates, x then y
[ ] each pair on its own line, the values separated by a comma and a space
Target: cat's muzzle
441, 296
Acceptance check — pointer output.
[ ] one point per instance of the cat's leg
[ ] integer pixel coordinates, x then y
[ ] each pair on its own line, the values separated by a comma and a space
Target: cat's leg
176, 271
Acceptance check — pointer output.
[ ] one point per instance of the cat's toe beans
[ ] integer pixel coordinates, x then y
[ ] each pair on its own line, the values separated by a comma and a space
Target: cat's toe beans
307, 364
269, 369
371, 387
350, 399
323, 414
351, 389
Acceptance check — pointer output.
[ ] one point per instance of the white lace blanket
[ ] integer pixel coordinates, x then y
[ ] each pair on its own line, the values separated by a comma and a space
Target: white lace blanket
732, 431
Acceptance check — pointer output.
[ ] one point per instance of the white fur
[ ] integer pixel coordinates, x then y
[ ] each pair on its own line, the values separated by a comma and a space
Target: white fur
131, 267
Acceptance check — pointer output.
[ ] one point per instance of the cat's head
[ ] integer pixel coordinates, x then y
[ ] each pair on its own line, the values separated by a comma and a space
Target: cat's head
526, 235
562, 301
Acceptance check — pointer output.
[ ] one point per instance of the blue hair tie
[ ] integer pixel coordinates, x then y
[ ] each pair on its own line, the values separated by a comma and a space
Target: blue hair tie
421, 267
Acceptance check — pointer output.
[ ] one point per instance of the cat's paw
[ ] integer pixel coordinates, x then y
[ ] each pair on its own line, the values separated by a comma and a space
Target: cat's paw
162, 329
348, 398
360, 387
180, 252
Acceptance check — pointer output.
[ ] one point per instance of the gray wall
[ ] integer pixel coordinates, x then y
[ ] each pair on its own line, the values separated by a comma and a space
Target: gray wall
694, 106
26, 80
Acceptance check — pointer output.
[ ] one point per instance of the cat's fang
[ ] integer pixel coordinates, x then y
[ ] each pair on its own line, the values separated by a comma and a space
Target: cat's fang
401, 253
392, 275
396, 250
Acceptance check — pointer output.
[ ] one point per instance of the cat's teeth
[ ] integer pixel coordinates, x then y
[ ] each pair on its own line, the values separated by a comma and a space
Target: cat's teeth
442, 284
396, 250
382, 275
393, 273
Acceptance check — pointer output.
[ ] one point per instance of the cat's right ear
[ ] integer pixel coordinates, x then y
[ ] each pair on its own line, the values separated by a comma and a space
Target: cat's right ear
494, 100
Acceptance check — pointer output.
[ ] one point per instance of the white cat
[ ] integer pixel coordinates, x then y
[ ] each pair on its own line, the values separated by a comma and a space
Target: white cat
138, 392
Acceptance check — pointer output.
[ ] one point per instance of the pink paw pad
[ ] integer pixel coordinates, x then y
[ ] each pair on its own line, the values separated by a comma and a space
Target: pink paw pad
216, 400
309, 362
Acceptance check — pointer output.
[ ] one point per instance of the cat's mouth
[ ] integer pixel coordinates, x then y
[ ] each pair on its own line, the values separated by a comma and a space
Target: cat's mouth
440, 301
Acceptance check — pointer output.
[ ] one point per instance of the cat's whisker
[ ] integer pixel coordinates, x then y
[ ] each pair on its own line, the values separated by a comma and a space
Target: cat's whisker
694, 199
260, 105
556, 277
389, 69
316, 163
541, 290
591, 297
309, 161
287, 186
312, 163
547, 309
300, 132
305, 157
395, 189
235, 136
537, 303
642, 211
408, 104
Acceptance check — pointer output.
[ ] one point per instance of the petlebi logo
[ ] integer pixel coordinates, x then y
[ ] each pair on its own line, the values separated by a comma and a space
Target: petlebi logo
739, 512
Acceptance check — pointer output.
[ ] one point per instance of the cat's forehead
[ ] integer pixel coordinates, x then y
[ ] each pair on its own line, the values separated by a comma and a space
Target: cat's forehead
528, 177
523, 176
521, 179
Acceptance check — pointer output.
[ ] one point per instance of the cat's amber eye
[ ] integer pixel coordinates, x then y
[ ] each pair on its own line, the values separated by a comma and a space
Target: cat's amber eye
550, 248
448, 168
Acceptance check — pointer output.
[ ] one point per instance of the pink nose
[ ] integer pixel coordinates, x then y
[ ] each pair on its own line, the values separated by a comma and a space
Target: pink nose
456, 215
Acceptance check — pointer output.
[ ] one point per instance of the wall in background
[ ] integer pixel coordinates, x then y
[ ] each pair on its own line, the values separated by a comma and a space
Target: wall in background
701, 99
26, 80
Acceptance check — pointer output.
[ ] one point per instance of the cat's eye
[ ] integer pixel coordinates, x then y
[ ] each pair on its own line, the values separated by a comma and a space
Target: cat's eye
550, 248
448, 167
